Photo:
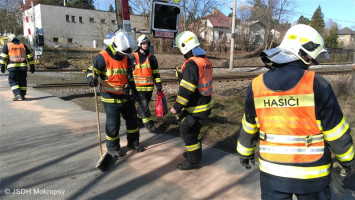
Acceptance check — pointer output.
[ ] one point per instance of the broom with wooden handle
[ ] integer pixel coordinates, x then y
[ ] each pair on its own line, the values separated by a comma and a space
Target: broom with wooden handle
104, 158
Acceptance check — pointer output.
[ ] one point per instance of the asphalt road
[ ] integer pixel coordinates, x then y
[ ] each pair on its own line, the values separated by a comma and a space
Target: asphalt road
49, 149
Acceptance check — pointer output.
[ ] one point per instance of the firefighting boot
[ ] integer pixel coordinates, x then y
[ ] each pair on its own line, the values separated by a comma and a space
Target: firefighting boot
115, 153
23, 97
199, 155
151, 129
188, 165
135, 146
17, 97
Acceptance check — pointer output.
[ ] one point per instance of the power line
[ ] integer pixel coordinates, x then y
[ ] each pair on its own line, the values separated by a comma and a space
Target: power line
352, 22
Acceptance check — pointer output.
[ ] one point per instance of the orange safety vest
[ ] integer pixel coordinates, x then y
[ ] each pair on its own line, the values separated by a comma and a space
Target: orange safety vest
17, 52
116, 72
142, 74
289, 132
205, 74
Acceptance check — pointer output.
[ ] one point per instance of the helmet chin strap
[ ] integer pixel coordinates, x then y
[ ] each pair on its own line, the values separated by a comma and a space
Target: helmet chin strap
112, 50
266, 62
145, 51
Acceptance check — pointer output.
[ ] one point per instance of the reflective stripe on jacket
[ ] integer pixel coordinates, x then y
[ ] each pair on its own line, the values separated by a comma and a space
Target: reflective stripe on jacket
17, 52
142, 74
289, 132
116, 72
205, 74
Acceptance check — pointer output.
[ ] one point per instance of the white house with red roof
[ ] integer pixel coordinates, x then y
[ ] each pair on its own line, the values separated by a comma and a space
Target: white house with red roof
218, 27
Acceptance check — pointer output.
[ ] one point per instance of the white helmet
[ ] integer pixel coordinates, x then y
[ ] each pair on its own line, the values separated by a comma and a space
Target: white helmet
142, 39
108, 38
300, 42
11, 37
186, 41
122, 43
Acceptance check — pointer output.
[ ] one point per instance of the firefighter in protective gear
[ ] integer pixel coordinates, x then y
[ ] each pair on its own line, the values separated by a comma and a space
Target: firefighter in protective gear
294, 114
145, 74
113, 72
16, 56
193, 102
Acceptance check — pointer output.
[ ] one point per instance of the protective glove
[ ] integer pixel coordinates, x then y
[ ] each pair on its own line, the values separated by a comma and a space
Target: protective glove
159, 87
94, 82
32, 69
245, 162
3, 68
178, 74
338, 174
336, 182
126, 90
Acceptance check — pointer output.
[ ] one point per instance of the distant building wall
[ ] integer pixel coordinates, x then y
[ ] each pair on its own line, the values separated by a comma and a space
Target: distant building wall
345, 39
74, 27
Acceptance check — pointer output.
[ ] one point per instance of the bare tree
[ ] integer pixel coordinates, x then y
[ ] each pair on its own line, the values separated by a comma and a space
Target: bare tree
140, 7
11, 16
244, 37
271, 13
192, 11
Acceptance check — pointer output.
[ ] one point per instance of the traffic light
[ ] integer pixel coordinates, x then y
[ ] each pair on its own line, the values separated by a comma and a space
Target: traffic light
165, 17
39, 39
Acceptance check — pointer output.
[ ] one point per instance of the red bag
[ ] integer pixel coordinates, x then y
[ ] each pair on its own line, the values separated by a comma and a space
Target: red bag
161, 107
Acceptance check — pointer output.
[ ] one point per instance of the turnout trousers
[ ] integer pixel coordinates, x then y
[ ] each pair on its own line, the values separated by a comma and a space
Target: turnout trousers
143, 108
190, 128
267, 194
113, 122
18, 80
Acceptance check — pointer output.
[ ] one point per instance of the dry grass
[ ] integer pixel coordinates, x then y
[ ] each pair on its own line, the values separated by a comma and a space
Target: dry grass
220, 129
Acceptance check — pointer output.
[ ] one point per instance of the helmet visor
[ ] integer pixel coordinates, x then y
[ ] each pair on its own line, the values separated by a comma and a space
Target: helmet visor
323, 55
127, 51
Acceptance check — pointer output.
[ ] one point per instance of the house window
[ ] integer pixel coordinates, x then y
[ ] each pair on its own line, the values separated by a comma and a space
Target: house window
341, 37
73, 18
103, 21
70, 40
220, 34
257, 40
113, 21
91, 19
67, 18
55, 39
81, 19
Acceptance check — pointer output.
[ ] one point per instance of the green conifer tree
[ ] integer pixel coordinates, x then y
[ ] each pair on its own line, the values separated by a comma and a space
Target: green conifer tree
303, 20
331, 38
317, 21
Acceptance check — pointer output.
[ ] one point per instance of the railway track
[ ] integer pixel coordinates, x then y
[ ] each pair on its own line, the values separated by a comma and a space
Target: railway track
173, 68
174, 80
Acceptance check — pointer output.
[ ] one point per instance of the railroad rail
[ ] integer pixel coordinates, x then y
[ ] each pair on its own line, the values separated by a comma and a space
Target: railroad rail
173, 68
173, 80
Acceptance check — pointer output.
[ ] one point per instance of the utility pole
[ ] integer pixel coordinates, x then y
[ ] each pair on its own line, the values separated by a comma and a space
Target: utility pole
118, 5
231, 60
34, 26
352, 81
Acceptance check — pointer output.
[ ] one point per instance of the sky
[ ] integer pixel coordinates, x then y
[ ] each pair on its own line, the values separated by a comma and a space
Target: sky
340, 11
